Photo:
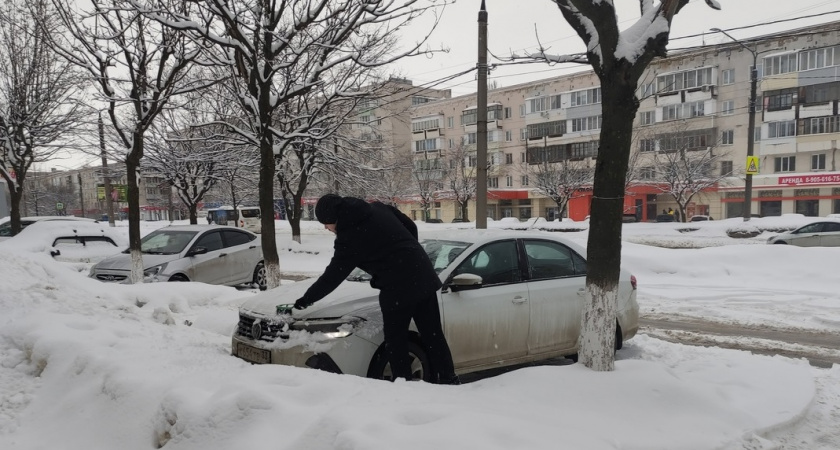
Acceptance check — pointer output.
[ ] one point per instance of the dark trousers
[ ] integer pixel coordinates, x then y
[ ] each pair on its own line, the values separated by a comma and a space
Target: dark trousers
398, 308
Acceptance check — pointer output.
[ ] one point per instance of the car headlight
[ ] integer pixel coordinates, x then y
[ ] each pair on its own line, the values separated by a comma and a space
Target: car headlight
151, 274
329, 328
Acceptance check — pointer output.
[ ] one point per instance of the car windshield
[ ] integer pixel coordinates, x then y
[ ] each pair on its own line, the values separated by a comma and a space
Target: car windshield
442, 253
166, 242
358, 275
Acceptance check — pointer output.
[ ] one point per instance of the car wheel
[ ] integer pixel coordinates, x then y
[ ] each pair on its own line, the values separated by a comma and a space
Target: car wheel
259, 277
780, 242
178, 277
380, 368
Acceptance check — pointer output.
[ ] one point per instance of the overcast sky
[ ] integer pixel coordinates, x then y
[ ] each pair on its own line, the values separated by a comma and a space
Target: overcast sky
513, 26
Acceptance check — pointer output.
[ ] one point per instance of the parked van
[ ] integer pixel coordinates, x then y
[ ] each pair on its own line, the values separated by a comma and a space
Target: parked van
250, 218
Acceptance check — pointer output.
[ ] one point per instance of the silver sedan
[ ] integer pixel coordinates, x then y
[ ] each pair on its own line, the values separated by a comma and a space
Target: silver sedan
825, 233
508, 297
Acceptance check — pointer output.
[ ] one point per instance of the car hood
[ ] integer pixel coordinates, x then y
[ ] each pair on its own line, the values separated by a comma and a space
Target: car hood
354, 298
122, 261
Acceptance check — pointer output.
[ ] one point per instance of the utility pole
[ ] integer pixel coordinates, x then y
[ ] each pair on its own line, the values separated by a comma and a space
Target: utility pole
751, 164
481, 128
106, 176
81, 193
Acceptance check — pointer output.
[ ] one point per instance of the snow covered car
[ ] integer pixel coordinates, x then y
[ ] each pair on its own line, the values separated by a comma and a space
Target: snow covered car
6, 224
210, 254
69, 240
825, 233
508, 297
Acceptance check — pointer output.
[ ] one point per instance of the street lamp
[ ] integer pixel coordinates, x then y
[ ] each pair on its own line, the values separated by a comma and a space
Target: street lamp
751, 165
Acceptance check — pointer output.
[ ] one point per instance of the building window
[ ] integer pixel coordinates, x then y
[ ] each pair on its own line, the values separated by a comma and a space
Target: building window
725, 168
727, 108
683, 111
450, 122
470, 138
818, 58
586, 123
550, 129
425, 144
509, 181
781, 129
785, 164
428, 124
684, 80
469, 117
647, 145
727, 137
521, 110
646, 90
647, 117
757, 134
819, 125
508, 158
538, 104
647, 173
780, 100
727, 76
523, 157
524, 179
523, 134
818, 162
508, 112
775, 65
493, 182
508, 136
587, 97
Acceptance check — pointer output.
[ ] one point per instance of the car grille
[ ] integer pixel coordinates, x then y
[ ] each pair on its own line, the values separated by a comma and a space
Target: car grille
267, 330
110, 277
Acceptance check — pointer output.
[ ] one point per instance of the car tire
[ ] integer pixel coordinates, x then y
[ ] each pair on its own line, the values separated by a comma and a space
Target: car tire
380, 368
259, 277
178, 277
780, 242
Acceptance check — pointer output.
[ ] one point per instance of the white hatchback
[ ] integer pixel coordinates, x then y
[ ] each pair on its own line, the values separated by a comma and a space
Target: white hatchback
508, 297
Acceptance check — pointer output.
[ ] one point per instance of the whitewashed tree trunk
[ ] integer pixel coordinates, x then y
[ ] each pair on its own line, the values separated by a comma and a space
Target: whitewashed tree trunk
596, 346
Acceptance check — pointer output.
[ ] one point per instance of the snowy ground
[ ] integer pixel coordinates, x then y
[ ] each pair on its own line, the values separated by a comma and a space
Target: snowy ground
84, 365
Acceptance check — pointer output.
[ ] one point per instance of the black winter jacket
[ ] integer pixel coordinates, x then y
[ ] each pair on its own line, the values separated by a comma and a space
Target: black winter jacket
382, 241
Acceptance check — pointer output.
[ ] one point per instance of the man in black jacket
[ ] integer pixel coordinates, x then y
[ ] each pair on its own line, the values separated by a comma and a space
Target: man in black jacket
382, 241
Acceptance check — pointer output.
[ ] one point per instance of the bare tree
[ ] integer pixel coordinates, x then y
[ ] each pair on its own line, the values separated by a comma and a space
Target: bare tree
686, 162
559, 172
460, 177
138, 66
428, 174
37, 89
618, 59
278, 51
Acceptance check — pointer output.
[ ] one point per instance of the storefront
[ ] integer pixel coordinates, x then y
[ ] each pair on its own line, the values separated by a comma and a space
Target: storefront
812, 194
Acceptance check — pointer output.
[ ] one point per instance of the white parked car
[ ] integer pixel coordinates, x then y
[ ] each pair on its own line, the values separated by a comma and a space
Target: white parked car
509, 297
825, 233
207, 253
71, 241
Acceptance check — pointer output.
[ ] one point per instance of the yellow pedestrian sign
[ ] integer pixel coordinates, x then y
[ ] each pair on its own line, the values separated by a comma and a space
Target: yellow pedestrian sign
752, 165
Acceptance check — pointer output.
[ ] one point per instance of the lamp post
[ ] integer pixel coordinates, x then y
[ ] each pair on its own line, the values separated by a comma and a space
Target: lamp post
751, 127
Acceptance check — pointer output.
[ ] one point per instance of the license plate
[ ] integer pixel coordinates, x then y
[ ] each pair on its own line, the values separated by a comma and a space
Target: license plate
252, 354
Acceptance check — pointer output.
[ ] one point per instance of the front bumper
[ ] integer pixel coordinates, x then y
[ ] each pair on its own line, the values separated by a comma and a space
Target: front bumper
348, 355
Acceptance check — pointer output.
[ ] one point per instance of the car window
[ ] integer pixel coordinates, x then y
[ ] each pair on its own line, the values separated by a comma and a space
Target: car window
548, 259
495, 263
442, 253
831, 226
211, 241
83, 241
233, 238
250, 213
812, 228
166, 242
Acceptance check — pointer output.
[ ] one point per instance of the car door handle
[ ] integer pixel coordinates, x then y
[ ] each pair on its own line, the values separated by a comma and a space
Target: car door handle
222, 255
518, 300
252, 247
581, 292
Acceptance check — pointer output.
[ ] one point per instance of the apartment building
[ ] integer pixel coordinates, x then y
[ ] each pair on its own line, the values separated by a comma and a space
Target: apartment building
695, 102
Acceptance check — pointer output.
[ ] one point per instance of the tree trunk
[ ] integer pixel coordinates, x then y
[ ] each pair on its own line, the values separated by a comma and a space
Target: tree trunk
15, 196
193, 214
293, 215
597, 338
132, 165
266, 200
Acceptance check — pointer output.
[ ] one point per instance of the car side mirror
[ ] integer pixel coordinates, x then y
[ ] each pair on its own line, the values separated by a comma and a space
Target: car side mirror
465, 282
197, 251
55, 252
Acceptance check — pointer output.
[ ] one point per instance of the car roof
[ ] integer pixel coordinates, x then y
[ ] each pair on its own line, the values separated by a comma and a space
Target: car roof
481, 236
200, 227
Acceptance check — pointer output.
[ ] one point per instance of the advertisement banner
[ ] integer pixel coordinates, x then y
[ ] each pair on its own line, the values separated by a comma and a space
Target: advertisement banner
119, 192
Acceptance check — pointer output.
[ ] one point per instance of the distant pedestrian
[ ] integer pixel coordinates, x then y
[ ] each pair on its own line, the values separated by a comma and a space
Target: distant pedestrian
382, 241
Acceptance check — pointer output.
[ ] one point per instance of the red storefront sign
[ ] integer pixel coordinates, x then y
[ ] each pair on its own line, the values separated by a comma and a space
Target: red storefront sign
811, 179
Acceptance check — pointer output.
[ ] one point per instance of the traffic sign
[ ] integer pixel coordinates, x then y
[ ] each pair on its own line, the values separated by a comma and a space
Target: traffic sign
752, 165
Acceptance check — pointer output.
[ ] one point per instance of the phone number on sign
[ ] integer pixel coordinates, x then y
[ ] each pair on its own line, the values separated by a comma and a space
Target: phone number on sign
811, 179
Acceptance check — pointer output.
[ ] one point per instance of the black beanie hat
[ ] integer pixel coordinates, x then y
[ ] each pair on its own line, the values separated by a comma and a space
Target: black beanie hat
326, 210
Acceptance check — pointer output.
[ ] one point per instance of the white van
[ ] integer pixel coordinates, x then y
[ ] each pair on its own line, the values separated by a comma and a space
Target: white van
250, 218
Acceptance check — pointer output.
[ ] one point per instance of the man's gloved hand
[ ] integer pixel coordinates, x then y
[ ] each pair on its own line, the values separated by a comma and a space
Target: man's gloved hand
302, 303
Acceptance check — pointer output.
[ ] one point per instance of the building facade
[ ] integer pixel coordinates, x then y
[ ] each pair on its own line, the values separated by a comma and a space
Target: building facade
694, 105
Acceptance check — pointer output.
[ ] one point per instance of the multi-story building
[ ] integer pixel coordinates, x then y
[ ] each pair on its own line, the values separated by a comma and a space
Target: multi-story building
695, 102
81, 192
